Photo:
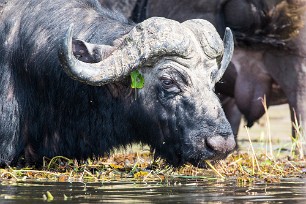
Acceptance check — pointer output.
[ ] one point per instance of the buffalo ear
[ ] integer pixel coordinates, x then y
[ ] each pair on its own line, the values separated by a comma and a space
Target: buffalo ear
90, 53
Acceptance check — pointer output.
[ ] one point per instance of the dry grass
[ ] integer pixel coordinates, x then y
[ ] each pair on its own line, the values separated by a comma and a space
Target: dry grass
141, 167
241, 166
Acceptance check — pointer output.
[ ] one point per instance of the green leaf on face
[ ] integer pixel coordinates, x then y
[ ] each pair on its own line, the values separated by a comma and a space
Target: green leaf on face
137, 80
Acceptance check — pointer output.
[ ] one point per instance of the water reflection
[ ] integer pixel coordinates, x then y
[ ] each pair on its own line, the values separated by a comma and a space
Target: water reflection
288, 191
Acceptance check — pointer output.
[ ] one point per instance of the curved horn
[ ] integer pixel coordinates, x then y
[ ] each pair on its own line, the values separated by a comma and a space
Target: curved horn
152, 38
228, 53
76, 69
212, 44
207, 36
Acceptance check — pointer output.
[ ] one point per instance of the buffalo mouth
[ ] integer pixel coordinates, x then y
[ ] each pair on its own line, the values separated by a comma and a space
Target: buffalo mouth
199, 159
215, 148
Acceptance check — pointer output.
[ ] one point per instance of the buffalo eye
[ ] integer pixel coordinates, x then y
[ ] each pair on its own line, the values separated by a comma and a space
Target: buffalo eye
169, 84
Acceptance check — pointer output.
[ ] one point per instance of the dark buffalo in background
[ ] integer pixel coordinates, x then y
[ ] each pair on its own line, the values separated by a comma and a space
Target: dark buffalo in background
269, 57
132, 9
65, 85
125, 7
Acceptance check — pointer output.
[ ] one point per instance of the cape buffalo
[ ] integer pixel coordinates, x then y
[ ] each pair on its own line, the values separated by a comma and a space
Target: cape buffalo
269, 58
65, 86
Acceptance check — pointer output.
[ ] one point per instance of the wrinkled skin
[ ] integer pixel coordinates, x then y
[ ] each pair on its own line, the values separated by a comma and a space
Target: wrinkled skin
278, 73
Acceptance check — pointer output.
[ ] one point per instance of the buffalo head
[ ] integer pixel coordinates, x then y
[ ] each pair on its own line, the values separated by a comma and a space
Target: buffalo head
176, 112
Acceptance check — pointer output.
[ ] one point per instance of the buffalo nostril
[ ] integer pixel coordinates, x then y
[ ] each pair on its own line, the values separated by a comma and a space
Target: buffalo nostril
221, 144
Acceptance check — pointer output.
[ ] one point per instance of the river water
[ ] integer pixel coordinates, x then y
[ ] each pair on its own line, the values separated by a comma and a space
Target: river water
182, 191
